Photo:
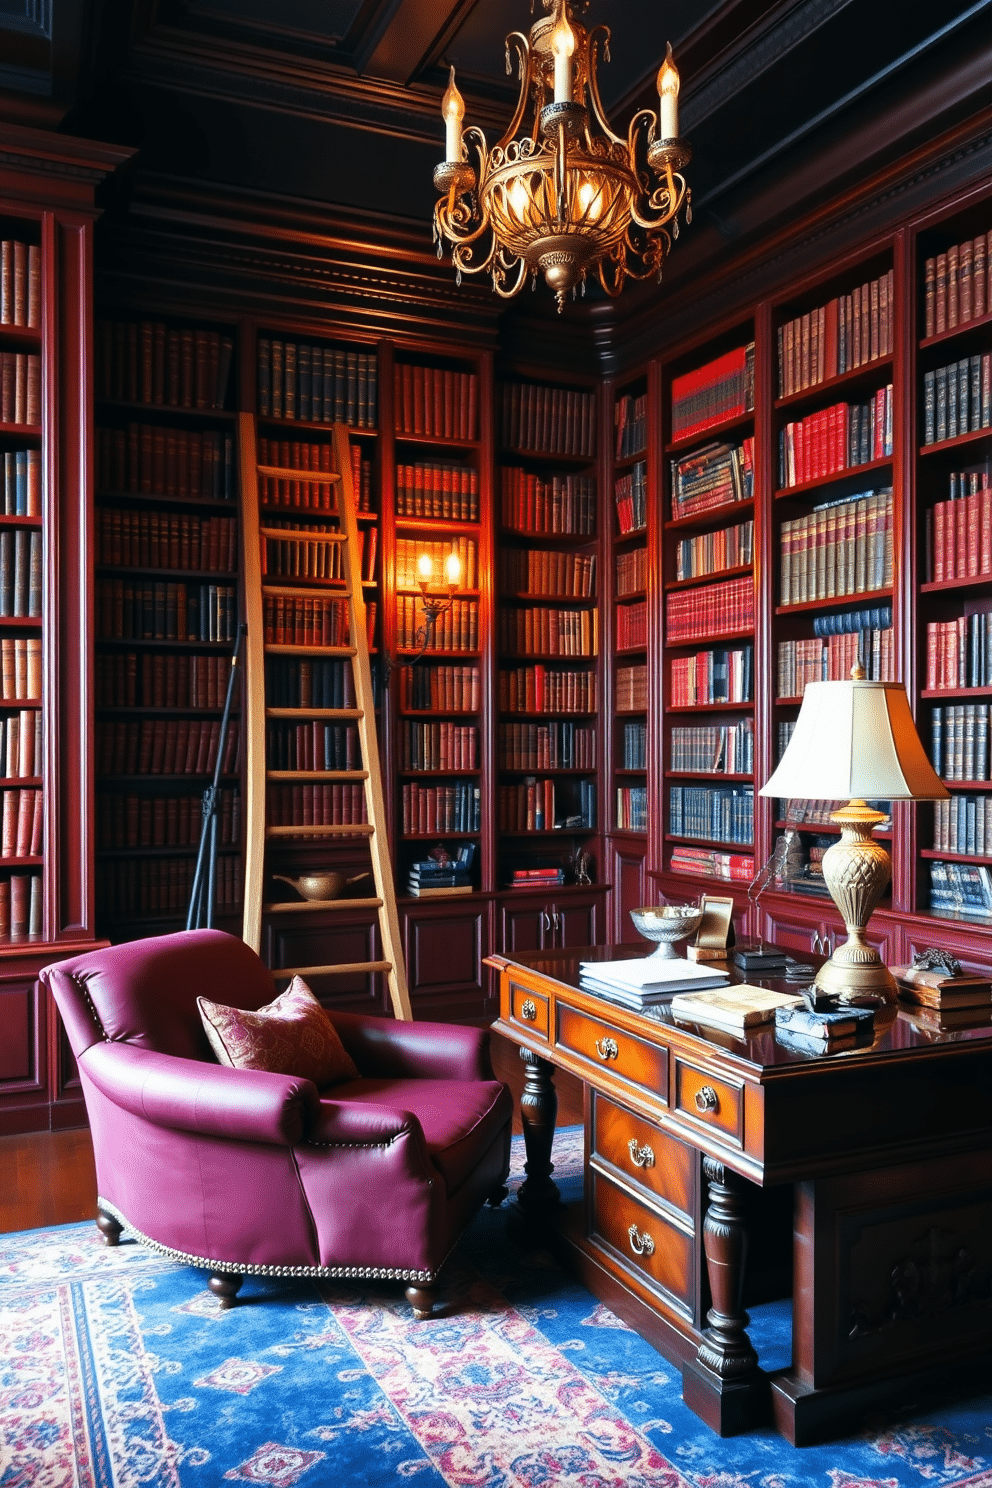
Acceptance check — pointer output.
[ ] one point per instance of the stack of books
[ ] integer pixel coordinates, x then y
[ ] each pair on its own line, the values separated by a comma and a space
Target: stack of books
739, 1010
438, 877
535, 878
821, 1031
646, 980
938, 1001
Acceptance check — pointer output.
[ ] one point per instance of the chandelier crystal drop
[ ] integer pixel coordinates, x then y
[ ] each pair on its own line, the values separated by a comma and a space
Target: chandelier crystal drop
563, 195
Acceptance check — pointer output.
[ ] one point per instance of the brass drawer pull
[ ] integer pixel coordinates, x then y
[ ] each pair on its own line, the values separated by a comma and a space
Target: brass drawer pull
641, 1245
707, 1099
528, 1010
607, 1048
641, 1157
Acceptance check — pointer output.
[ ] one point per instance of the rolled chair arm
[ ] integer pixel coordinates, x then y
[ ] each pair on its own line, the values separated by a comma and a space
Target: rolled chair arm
440, 1051
189, 1095
357, 1124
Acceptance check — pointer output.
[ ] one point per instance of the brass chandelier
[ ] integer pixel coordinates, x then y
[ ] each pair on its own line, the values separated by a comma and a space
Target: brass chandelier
566, 195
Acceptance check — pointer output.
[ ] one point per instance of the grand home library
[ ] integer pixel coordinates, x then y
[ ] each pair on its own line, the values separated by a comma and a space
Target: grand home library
666, 524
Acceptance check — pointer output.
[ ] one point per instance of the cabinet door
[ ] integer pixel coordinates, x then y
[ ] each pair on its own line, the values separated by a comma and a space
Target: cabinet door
525, 927
629, 891
577, 922
444, 947
24, 1073
328, 939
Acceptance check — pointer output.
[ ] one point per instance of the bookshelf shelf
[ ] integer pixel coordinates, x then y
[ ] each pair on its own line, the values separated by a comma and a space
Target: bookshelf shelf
724, 429
708, 578
20, 337
20, 431
851, 474
712, 516
174, 412
975, 327
707, 775
723, 843
960, 441
858, 379
715, 638
745, 707
949, 694
836, 601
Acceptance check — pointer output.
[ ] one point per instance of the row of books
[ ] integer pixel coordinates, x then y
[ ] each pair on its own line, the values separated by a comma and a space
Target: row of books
632, 689
630, 425
835, 439
20, 744
959, 741
428, 809
22, 483
317, 384
125, 819
959, 652
437, 402
409, 551
20, 668
168, 366
299, 805
20, 572
429, 879
959, 530
539, 689
803, 812
632, 626
538, 630
440, 688
160, 746
22, 823
289, 491
841, 547
314, 745
456, 628
368, 546
631, 571
831, 660
534, 805
632, 808
20, 388
634, 747
713, 552
846, 332
20, 283
133, 888
961, 888
716, 475
546, 746
717, 676
450, 492
718, 813
957, 399
722, 389
956, 284
707, 863
963, 824
546, 572
21, 900
714, 748
547, 420
534, 878
127, 679
159, 460
711, 610
316, 553
291, 683
563, 504
126, 538
438, 746
158, 611
630, 495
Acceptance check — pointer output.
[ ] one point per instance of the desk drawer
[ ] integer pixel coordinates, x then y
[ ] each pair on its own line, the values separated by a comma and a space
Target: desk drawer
530, 1010
645, 1156
708, 1101
653, 1249
623, 1055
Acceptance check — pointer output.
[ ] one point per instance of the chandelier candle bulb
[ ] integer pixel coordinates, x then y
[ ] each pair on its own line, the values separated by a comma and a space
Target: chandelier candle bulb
563, 45
453, 112
453, 569
668, 98
425, 568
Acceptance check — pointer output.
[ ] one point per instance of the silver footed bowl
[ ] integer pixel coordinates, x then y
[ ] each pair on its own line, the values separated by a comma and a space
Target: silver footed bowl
667, 923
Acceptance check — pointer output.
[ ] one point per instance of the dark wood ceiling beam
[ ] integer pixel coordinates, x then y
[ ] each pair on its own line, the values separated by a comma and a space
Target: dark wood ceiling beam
408, 36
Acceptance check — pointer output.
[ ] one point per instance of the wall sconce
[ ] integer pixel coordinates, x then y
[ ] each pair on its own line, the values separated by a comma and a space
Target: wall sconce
434, 606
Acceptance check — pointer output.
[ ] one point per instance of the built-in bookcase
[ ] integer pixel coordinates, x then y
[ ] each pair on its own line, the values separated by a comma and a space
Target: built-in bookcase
629, 517
167, 604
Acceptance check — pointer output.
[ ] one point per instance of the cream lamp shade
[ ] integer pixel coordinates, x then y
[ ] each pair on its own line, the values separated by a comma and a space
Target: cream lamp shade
856, 741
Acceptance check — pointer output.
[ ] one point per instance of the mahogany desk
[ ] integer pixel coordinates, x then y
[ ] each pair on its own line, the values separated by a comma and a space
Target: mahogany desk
887, 1146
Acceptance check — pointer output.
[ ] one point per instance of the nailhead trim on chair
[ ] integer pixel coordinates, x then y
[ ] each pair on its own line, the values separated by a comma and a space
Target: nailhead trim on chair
80, 982
248, 1268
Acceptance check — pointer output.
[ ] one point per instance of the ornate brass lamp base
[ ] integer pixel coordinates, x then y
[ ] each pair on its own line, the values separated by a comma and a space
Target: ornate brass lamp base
856, 870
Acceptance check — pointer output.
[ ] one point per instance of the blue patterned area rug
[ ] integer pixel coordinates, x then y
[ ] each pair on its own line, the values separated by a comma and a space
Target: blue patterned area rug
117, 1369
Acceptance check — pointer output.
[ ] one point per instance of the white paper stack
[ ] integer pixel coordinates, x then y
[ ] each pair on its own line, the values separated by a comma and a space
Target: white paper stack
646, 979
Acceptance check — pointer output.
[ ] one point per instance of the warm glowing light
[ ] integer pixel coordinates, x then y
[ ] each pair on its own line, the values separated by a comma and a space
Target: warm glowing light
519, 199
563, 46
452, 112
425, 568
668, 96
590, 200
453, 569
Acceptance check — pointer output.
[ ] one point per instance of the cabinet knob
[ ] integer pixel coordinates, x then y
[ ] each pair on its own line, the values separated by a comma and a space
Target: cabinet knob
707, 1099
641, 1157
607, 1048
528, 1010
641, 1245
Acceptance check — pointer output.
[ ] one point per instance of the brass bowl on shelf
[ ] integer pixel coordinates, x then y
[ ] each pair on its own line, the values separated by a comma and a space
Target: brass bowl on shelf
665, 924
316, 886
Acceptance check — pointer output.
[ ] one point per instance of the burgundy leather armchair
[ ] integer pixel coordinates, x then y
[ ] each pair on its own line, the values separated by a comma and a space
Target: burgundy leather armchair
246, 1172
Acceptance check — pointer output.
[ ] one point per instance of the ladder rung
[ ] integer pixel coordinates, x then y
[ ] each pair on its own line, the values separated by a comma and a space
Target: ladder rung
314, 829
325, 775
301, 535
291, 591
298, 906
283, 648
345, 968
283, 472
315, 712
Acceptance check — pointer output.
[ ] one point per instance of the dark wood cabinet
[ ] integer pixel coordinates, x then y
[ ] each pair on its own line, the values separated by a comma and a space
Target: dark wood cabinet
444, 944
536, 923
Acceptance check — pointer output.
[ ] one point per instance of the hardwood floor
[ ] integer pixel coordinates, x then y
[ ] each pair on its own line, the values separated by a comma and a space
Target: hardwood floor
48, 1177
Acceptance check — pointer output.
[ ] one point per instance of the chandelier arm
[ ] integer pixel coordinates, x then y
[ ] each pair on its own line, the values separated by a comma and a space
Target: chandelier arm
518, 284
613, 289
523, 49
592, 51
462, 259
645, 118
666, 200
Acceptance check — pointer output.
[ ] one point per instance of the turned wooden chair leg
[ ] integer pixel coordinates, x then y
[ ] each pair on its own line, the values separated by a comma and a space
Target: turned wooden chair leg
225, 1286
422, 1299
110, 1228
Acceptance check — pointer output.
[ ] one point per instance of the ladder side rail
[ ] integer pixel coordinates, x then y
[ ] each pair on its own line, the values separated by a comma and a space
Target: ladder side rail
253, 699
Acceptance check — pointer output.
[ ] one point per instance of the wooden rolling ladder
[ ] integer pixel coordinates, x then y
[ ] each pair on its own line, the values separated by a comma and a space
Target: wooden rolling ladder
346, 587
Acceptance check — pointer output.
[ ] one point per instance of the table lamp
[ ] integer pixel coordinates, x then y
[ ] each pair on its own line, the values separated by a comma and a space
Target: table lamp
856, 741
